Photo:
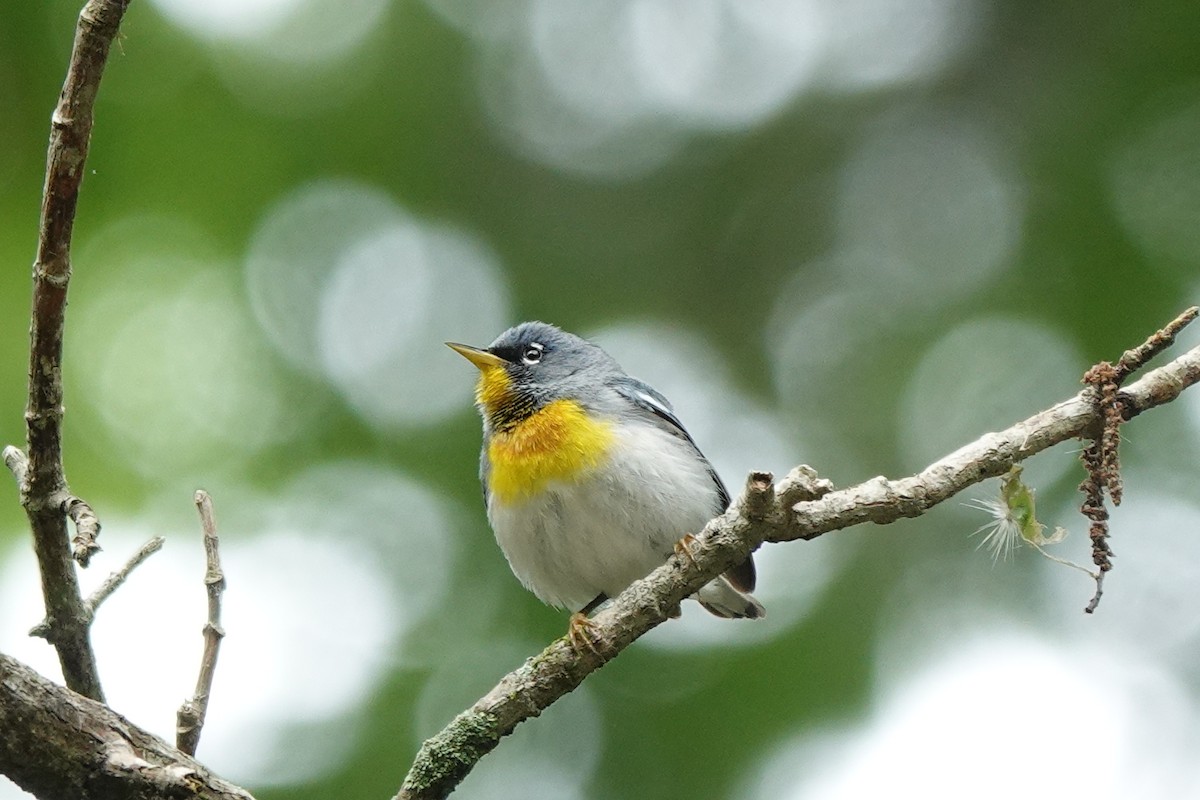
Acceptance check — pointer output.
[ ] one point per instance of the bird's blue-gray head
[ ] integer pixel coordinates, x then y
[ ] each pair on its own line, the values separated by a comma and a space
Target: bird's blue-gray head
531, 365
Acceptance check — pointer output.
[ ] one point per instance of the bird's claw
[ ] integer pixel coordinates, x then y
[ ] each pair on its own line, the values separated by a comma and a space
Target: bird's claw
683, 548
581, 633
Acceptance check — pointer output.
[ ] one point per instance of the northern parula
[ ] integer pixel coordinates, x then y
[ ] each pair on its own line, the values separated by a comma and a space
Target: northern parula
590, 479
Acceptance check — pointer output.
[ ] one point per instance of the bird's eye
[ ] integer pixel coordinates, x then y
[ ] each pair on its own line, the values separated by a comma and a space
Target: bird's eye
532, 354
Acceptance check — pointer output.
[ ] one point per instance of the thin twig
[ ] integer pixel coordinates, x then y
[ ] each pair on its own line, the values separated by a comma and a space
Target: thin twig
1090, 608
446, 758
190, 719
45, 487
115, 579
110, 585
1133, 360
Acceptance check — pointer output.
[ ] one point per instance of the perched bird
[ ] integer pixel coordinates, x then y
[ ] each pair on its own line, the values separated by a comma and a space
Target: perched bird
590, 479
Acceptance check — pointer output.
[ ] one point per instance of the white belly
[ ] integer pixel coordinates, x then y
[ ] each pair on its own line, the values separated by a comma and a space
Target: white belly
613, 525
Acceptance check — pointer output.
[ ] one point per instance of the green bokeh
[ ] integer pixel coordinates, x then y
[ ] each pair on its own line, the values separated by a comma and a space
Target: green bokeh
706, 242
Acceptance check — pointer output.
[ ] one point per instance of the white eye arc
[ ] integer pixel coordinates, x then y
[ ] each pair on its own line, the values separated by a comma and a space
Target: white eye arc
532, 354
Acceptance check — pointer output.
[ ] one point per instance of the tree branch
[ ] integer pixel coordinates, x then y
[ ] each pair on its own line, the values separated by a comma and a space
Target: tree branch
189, 721
800, 507
44, 492
115, 579
61, 746
110, 584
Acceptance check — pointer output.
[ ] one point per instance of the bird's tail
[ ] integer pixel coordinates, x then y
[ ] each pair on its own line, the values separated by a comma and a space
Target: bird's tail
719, 597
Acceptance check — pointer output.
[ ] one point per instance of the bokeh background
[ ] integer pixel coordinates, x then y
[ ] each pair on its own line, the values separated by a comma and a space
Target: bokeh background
852, 234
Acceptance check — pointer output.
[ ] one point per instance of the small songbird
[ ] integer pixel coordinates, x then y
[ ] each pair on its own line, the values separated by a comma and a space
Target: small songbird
590, 479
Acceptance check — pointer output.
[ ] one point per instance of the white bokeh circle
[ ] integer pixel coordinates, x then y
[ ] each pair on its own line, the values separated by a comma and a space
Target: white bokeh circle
176, 370
355, 291
293, 251
937, 204
986, 374
1001, 715
295, 32
389, 306
612, 91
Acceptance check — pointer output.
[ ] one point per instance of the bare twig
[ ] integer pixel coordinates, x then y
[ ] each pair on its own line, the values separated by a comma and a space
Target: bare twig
115, 579
445, 759
190, 719
44, 489
1090, 608
1133, 360
110, 584
57, 744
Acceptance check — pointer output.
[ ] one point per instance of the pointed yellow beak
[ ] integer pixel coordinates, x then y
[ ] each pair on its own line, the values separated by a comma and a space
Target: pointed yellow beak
480, 358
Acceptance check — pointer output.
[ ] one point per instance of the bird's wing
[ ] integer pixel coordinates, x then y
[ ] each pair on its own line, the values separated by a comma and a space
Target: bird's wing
646, 398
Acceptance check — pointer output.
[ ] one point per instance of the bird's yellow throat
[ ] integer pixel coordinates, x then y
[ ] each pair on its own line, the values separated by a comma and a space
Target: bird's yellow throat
558, 442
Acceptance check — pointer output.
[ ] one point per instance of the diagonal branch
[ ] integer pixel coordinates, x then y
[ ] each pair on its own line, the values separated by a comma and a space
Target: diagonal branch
800, 507
883, 501
110, 584
115, 579
44, 491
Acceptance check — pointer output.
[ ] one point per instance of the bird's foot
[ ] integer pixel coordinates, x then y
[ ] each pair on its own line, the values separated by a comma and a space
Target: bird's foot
581, 633
684, 547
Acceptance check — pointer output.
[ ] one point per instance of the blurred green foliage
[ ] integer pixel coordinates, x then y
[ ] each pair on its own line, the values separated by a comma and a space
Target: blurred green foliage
708, 242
